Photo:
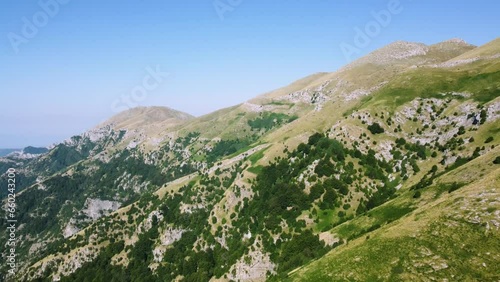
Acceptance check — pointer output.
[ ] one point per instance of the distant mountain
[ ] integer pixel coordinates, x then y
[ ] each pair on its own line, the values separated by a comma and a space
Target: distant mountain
385, 170
28, 150
35, 150
5, 152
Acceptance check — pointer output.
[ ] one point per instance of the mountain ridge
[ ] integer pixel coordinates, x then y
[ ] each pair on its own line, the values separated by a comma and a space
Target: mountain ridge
141, 116
335, 157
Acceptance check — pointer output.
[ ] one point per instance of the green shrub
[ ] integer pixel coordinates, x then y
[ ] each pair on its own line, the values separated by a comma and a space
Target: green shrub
497, 160
461, 130
269, 120
375, 128
454, 186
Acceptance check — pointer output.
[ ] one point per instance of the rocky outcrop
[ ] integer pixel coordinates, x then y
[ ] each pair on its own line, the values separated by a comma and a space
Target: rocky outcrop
95, 208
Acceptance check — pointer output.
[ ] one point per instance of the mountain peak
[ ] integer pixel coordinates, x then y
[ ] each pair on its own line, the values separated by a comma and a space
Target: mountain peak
453, 43
140, 116
457, 41
404, 53
402, 50
489, 50
389, 54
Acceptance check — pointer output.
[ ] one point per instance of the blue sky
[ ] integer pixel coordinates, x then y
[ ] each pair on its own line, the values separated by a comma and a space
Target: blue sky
86, 55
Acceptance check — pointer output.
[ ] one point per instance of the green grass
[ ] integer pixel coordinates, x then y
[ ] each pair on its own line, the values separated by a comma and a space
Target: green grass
439, 242
495, 129
243, 150
279, 103
391, 259
257, 156
255, 169
326, 220
348, 229
446, 187
389, 213
432, 83
409, 259
372, 220
361, 104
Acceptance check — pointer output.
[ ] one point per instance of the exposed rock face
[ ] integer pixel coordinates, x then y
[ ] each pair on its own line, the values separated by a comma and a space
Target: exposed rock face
20, 155
328, 238
95, 208
317, 96
493, 112
397, 51
148, 223
133, 144
36, 247
128, 182
257, 108
358, 93
70, 229
252, 267
94, 136
384, 150
168, 237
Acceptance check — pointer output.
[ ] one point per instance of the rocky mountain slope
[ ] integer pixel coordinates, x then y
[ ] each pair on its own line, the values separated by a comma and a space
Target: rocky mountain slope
308, 182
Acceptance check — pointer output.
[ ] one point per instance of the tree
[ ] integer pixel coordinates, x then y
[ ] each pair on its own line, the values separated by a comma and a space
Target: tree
316, 191
299, 250
497, 160
483, 116
434, 169
329, 199
461, 130
313, 139
400, 141
375, 128
324, 168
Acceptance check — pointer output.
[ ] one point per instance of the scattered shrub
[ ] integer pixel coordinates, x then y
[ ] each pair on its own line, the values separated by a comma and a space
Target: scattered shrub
375, 128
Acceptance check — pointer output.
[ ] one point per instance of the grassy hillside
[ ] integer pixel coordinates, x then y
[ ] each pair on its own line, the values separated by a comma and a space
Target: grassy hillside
450, 231
375, 172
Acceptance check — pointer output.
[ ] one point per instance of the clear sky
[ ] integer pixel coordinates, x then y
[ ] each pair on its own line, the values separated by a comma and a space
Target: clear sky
64, 67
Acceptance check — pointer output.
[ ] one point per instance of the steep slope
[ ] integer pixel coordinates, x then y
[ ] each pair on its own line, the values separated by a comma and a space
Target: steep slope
444, 233
488, 51
87, 176
258, 189
446, 226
